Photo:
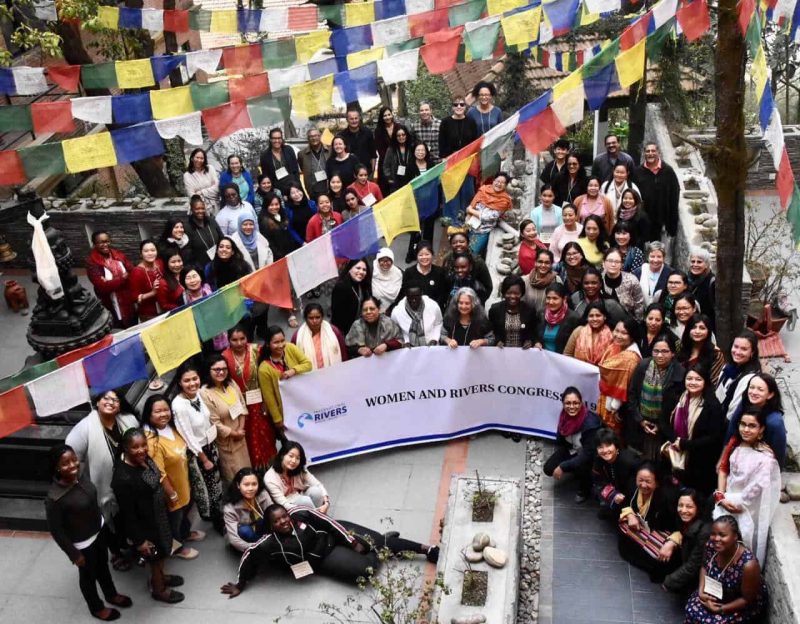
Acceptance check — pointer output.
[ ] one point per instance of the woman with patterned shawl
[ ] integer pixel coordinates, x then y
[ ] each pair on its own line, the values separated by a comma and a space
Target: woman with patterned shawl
616, 368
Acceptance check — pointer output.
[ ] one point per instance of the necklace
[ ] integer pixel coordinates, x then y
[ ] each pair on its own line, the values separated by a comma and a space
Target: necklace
730, 561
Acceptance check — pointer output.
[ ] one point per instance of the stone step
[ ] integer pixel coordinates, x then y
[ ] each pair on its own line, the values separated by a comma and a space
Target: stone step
22, 514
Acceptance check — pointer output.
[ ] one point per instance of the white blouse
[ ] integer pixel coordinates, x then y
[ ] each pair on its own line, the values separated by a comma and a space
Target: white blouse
193, 425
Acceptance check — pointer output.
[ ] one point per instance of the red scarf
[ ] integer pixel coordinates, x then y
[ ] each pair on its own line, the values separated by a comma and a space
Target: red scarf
113, 262
568, 426
555, 318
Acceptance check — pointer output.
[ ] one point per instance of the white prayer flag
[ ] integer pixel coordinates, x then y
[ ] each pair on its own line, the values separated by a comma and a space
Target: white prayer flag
603, 6
783, 8
45, 10
29, 80
393, 30
93, 109
400, 67
60, 390
312, 264
280, 79
186, 126
664, 11
418, 6
545, 32
500, 130
207, 60
153, 20
274, 20
486, 21
773, 137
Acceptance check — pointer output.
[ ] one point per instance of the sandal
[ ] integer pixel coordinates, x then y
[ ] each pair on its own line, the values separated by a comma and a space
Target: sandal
170, 597
120, 601
196, 536
186, 553
120, 564
292, 321
110, 614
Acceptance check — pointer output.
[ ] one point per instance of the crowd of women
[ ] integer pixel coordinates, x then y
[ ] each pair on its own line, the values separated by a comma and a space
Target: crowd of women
682, 432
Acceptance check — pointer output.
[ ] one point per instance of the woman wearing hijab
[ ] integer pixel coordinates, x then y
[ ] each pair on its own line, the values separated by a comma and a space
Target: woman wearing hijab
387, 279
321, 342
251, 243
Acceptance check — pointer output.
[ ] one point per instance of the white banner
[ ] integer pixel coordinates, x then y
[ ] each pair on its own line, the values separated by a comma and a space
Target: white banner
428, 394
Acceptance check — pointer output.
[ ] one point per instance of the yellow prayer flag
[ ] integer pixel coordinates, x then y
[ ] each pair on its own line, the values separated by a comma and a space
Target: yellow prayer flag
89, 152
313, 97
224, 21
453, 178
108, 17
327, 137
522, 28
307, 45
171, 102
569, 83
362, 57
172, 341
568, 107
495, 7
134, 74
397, 214
759, 72
630, 64
359, 13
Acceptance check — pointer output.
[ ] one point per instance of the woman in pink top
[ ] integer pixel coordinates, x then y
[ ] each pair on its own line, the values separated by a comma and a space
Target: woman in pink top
595, 203
568, 231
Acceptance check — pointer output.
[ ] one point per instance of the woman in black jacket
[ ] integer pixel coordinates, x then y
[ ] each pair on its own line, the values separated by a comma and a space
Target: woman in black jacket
203, 233
465, 323
558, 321
279, 162
349, 292
612, 470
694, 533
74, 520
432, 279
513, 321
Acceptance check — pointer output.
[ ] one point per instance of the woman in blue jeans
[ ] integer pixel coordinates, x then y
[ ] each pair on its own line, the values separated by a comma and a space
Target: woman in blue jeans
490, 203
245, 509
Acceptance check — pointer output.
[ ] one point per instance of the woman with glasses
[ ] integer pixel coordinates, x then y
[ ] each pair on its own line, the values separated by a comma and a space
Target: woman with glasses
620, 286
279, 162
484, 113
455, 132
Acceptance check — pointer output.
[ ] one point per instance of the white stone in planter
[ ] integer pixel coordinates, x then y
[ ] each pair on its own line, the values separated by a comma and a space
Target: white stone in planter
473, 556
480, 541
495, 557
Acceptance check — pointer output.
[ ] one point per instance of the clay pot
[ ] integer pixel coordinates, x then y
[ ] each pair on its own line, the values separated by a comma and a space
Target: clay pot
16, 297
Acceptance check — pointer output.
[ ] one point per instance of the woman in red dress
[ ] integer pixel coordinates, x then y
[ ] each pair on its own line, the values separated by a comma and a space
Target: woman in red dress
145, 279
242, 359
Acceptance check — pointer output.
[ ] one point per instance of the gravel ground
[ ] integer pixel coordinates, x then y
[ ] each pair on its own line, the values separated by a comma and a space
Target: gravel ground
528, 604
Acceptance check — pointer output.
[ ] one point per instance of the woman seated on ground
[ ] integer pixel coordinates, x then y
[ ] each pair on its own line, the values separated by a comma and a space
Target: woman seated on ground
347, 553
613, 468
684, 307
387, 279
278, 361
174, 235
697, 347
646, 521
590, 291
75, 522
693, 432
652, 327
529, 246
573, 266
595, 203
227, 266
632, 256
321, 342
464, 277
433, 279
546, 216
592, 337
537, 281
513, 321
568, 231
485, 210
459, 244
749, 482
143, 511
690, 540
653, 275
245, 508
170, 292
622, 287
465, 322
290, 482
655, 389
374, 333
593, 240
736, 569
558, 321
168, 450
616, 368
575, 443
353, 286
419, 319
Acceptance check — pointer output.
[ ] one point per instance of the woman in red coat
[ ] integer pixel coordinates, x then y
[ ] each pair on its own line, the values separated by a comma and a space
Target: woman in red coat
145, 279
108, 270
170, 291
324, 220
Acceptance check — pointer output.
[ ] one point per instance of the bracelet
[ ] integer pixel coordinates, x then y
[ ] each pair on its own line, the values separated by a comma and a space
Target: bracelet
718, 496
174, 496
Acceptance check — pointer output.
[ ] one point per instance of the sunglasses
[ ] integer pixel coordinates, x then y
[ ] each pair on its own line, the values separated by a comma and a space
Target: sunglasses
459, 104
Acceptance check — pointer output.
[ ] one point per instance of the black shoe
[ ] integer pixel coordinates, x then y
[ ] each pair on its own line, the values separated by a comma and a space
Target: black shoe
170, 597
120, 601
112, 615
173, 580
433, 554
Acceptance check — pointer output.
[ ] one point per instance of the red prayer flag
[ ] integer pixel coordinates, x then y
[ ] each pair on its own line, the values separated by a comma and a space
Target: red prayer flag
15, 411
540, 131
746, 10
176, 21
441, 52
270, 284
428, 22
464, 153
68, 77
785, 180
225, 119
52, 117
243, 60
694, 19
11, 170
79, 354
250, 86
303, 18
634, 33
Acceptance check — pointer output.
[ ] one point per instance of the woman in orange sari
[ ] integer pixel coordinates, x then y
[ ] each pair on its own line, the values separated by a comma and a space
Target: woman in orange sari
616, 368
242, 359
590, 340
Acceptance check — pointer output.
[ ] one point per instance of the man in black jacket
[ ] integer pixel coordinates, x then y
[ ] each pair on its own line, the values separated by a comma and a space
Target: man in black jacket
360, 141
660, 191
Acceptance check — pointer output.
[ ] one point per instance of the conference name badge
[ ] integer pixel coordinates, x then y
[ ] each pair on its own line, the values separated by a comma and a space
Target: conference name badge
281, 173
211, 253
252, 397
236, 410
320, 176
401, 170
713, 587
369, 199
302, 569
432, 283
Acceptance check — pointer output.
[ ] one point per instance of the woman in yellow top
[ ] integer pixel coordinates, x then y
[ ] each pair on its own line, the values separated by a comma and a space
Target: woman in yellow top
229, 413
593, 240
168, 450
278, 361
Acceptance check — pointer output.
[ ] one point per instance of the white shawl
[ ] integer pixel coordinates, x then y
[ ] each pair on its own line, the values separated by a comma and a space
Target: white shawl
329, 343
386, 284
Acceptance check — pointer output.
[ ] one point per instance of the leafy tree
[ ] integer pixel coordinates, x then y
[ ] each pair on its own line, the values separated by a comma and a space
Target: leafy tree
429, 88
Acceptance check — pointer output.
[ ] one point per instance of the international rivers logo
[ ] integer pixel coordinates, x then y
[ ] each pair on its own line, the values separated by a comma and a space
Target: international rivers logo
321, 415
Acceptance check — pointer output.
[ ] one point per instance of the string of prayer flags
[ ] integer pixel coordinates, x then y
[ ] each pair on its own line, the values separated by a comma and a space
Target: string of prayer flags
137, 143
188, 127
171, 102
93, 109
172, 341
357, 237
15, 412
28, 374
117, 365
397, 214
218, 312
313, 97
224, 120
312, 264
270, 284
60, 390
52, 117
89, 152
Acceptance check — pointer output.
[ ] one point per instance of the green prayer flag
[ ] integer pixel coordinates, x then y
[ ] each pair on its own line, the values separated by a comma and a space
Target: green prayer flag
573, 61
209, 95
29, 374
490, 156
278, 54
200, 19
219, 312
656, 40
268, 111
602, 60
15, 119
43, 160
753, 36
460, 14
482, 41
396, 48
793, 215
99, 76
431, 174
332, 13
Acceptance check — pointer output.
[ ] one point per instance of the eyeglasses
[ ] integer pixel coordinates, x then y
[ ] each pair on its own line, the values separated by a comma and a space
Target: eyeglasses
109, 399
661, 351
610, 261
459, 104
219, 370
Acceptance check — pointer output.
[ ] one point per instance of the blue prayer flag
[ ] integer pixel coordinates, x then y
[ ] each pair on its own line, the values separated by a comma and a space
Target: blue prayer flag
537, 106
165, 64
323, 68
597, 87
248, 20
131, 108
358, 82
7, 84
562, 14
766, 106
357, 237
115, 366
130, 18
137, 143
349, 40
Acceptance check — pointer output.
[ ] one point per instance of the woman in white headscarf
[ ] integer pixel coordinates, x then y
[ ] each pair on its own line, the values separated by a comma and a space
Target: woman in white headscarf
387, 279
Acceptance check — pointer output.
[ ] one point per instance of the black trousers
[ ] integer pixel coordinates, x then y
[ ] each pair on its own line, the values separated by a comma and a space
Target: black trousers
583, 474
95, 571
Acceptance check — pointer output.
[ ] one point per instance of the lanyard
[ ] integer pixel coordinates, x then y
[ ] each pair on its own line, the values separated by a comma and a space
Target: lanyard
211, 233
299, 543
319, 160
